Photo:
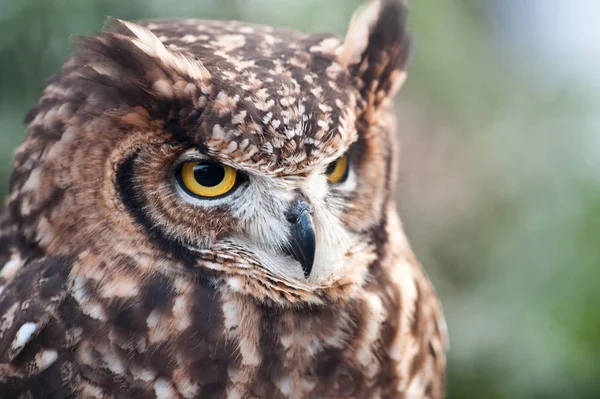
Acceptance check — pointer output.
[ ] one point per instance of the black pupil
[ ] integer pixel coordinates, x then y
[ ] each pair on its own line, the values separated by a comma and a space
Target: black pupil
331, 167
209, 174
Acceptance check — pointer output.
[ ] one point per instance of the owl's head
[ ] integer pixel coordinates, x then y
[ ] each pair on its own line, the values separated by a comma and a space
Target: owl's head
246, 155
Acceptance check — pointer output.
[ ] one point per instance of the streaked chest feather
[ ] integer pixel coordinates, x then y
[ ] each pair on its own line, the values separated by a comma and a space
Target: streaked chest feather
175, 338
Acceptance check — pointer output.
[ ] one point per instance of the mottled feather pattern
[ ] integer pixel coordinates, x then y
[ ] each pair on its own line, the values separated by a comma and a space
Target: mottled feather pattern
115, 284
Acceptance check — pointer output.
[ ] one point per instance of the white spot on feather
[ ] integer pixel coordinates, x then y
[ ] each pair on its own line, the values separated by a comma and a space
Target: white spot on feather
294, 386
235, 317
88, 306
157, 327
364, 353
91, 391
79, 291
113, 362
326, 46
162, 87
163, 389
11, 267
189, 39
120, 288
230, 148
285, 385
33, 182
230, 42
181, 312
24, 335
45, 359
234, 393
94, 310
9, 317
235, 283
146, 375
187, 387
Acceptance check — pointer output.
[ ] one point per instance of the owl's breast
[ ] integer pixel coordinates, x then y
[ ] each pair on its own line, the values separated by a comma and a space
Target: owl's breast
169, 336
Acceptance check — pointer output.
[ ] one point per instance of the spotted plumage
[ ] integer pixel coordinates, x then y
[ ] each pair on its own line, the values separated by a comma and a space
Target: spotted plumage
118, 280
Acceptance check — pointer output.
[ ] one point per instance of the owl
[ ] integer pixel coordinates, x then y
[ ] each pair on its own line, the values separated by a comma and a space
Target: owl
206, 209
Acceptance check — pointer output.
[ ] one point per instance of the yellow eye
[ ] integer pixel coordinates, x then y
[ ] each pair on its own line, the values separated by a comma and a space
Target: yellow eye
337, 171
207, 179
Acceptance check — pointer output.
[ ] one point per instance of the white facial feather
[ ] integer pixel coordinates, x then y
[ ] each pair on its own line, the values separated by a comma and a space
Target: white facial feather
260, 207
261, 211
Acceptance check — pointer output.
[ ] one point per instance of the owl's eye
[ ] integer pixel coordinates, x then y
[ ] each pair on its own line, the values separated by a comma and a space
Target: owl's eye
207, 179
337, 171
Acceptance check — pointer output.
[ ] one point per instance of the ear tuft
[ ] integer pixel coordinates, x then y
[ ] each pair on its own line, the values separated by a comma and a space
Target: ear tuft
147, 41
376, 48
118, 26
127, 63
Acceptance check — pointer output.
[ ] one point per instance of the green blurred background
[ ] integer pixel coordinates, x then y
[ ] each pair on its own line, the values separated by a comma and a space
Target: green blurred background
499, 186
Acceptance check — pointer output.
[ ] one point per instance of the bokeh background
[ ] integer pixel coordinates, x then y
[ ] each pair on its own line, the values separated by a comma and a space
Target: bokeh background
500, 178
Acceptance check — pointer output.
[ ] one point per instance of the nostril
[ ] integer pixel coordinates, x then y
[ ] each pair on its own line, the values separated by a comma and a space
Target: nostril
296, 210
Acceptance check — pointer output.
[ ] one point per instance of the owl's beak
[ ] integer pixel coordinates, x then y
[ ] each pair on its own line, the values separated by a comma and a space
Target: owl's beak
302, 243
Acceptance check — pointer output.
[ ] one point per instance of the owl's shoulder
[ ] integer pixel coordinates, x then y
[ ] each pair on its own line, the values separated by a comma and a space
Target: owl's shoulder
32, 287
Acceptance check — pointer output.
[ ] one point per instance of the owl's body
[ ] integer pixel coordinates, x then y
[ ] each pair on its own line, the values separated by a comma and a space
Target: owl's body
117, 281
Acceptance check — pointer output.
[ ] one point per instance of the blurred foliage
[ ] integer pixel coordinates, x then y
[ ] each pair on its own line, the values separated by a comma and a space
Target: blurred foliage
500, 204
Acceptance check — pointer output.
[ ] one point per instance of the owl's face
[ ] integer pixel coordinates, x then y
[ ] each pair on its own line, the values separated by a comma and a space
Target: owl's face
264, 158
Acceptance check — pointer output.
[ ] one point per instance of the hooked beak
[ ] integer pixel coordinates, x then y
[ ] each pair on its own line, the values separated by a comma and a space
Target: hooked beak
302, 243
